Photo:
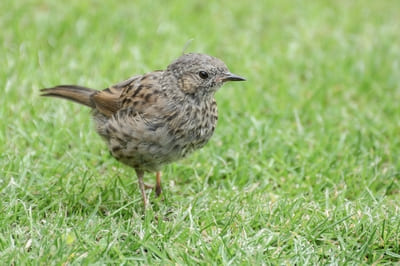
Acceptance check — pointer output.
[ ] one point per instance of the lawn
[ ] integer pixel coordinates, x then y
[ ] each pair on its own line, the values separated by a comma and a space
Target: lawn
304, 166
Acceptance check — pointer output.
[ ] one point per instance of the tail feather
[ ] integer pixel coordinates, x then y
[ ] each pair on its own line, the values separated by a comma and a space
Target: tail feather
74, 93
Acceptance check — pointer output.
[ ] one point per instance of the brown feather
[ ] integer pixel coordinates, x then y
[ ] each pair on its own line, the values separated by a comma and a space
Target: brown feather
74, 93
107, 101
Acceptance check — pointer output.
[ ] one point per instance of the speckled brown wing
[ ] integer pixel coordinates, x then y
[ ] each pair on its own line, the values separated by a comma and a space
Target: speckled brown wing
138, 93
108, 101
142, 93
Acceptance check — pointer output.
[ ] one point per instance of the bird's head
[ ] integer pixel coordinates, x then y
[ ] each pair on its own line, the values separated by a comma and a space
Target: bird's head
200, 75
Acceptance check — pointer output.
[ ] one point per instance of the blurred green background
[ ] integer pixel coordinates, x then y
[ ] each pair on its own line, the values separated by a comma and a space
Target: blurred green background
303, 167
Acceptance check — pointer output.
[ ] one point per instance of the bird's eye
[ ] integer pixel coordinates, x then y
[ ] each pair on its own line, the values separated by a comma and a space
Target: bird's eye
203, 74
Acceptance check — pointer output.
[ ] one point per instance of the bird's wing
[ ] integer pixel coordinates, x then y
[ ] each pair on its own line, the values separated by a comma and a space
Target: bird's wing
143, 93
109, 101
133, 109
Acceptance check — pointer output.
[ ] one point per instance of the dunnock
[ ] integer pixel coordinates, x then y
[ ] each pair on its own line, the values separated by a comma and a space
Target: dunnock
159, 117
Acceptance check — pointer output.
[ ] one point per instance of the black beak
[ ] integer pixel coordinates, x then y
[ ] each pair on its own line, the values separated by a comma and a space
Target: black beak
232, 77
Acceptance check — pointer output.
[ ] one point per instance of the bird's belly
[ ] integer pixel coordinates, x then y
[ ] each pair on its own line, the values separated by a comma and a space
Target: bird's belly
150, 153
148, 144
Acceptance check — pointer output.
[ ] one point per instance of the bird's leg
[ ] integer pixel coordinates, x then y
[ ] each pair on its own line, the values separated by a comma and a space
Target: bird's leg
140, 174
158, 183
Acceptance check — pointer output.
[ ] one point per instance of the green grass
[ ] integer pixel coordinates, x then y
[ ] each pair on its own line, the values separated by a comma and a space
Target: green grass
303, 168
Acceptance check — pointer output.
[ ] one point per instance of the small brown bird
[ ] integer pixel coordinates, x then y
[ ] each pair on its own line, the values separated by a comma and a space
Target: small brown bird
156, 118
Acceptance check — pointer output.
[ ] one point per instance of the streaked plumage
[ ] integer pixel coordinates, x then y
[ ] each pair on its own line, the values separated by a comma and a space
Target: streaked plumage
159, 117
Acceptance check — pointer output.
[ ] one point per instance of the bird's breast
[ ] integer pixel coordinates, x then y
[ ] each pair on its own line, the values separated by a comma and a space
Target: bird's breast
196, 124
